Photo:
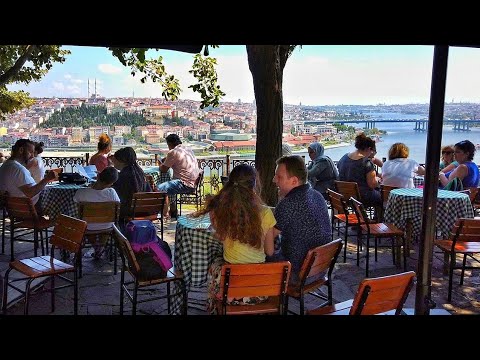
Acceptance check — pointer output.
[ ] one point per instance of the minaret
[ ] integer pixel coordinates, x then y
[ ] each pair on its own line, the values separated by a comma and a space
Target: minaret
88, 89
95, 88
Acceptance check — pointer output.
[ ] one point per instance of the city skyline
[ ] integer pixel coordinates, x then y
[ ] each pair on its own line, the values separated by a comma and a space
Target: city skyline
313, 75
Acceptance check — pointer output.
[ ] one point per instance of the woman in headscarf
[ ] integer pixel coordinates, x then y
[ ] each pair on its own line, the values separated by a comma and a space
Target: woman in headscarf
130, 180
322, 172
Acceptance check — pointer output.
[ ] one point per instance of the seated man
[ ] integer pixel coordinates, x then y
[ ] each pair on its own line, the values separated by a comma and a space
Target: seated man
302, 215
185, 168
15, 177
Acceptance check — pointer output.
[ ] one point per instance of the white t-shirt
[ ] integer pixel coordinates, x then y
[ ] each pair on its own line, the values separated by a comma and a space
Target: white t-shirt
38, 172
13, 175
399, 172
92, 195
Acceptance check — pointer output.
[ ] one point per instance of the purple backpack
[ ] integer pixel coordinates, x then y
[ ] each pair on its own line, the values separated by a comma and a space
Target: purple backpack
142, 236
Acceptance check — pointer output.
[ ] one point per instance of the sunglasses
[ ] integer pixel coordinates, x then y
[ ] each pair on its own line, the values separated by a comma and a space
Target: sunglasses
447, 152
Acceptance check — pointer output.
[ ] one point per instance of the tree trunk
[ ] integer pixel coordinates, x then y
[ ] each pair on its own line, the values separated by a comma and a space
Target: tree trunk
266, 63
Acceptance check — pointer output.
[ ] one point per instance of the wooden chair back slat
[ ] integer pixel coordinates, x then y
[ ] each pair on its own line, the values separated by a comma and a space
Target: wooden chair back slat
247, 280
99, 212
337, 201
466, 230
320, 259
377, 295
348, 189
68, 233
126, 251
359, 211
148, 203
21, 208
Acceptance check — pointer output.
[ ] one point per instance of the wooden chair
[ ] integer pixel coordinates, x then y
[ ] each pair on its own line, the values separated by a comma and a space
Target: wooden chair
385, 193
472, 193
348, 189
195, 196
67, 236
23, 215
142, 280
248, 280
95, 213
378, 230
148, 206
464, 239
316, 271
343, 215
374, 296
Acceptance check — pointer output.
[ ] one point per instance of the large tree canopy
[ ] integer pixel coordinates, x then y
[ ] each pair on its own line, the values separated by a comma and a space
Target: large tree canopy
24, 63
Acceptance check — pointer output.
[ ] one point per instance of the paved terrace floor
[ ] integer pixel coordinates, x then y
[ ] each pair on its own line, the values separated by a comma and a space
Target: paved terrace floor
99, 288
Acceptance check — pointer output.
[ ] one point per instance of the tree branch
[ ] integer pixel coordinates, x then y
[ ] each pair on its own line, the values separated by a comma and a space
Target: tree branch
10, 73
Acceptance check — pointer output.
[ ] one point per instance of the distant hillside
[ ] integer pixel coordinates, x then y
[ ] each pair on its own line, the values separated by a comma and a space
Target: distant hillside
86, 116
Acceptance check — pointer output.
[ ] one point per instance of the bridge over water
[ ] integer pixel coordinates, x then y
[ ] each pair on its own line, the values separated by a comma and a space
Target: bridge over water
420, 124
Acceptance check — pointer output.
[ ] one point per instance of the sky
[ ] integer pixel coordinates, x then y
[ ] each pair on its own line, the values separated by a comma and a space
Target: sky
313, 75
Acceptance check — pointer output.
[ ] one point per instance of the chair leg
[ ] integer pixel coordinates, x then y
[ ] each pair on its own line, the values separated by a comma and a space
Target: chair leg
185, 297
35, 243
404, 241
12, 235
359, 240
46, 240
345, 243
75, 293
3, 232
302, 304
27, 296
330, 292
5, 290
122, 282
450, 276
52, 289
464, 263
394, 243
168, 298
367, 255
134, 300
41, 242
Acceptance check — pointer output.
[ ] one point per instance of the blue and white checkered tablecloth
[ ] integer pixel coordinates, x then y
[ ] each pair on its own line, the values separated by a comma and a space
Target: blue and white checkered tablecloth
406, 204
195, 250
58, 199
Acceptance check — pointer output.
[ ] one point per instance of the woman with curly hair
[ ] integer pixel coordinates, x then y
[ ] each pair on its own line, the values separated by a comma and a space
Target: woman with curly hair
100, 158
243, 224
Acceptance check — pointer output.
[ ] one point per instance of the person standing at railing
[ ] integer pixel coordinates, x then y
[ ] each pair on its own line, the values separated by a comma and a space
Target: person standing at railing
185, 169
35, 165
101, 159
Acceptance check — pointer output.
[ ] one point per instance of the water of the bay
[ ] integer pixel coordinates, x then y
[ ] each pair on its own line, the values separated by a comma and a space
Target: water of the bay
405, 133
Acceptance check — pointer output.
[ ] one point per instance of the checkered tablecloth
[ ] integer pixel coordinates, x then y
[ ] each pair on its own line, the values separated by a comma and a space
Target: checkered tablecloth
58, 199
195, 250
406, 204
418, 181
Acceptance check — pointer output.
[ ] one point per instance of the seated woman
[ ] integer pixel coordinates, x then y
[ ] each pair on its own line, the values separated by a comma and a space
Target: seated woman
243, 223
357, 167
467, 170
130, 180
100, 191
448, 161
100, 158
398, 170
35, 165
322, 172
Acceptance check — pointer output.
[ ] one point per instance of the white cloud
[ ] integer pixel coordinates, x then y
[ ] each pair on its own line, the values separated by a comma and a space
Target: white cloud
109, 69
58, 86
67, 76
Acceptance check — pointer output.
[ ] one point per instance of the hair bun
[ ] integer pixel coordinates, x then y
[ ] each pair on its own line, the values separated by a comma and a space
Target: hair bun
104, 138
